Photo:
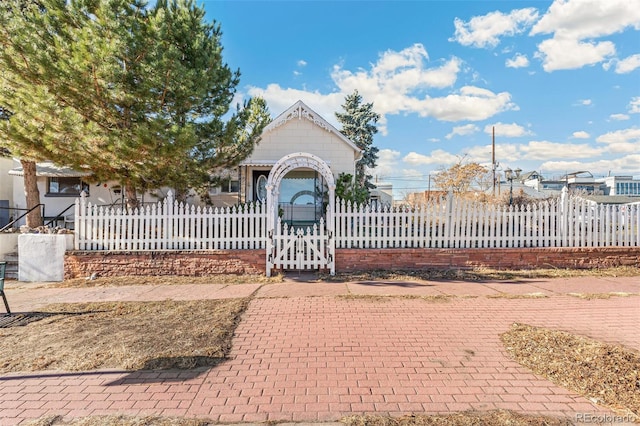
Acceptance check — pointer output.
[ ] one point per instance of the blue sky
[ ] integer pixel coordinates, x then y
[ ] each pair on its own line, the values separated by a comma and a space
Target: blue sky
559, 81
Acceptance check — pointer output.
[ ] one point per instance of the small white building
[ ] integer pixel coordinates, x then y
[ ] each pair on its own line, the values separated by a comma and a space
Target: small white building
59, 187
303, 192
621, 185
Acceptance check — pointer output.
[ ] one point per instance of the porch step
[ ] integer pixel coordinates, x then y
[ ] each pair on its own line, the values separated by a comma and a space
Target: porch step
11, 273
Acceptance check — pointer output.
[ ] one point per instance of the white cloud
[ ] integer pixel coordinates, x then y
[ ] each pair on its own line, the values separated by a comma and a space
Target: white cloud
512, 130
402, 72
467, 129
302, 63
482, 153
280, 99
437, 157
470, 103
628, 64
634, 105
575, 24
583, 19
580, 135
585, 102
518, 61
622, 141
485, 31
396, 84
543, 150
565, 53
387, 164
619, 117
434, 140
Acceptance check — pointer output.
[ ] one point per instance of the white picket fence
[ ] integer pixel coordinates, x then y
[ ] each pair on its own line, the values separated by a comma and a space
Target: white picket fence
446, 223
460, 223
169, 225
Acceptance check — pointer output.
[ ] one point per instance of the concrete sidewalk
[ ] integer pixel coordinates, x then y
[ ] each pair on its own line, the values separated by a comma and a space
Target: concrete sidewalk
302, 354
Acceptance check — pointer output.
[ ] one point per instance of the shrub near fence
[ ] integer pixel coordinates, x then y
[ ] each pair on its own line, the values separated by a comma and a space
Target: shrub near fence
450, 222
169, 225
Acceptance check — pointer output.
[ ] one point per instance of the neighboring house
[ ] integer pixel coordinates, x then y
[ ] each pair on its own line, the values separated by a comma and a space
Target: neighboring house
6, 190
382, 195
59, 187
585, 182
621, 185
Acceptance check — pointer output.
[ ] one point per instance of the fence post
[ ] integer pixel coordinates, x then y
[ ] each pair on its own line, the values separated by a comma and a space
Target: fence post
448, 219
564, 215
80, 213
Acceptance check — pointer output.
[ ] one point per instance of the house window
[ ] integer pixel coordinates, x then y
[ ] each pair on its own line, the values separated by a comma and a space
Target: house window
230, 186
66, 186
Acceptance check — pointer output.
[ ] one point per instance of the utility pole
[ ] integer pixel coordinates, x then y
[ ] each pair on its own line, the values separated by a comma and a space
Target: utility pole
493, 157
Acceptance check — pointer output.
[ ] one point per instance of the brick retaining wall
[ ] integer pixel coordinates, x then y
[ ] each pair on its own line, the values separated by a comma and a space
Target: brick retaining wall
508, 258
200, 263
187, 263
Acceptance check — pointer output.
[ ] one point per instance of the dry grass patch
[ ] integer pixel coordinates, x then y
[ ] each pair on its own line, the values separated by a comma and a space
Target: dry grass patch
606, 374
383, 298
118, 421
591, 296
124, 335
489, 418
518, 296
482, 274
167, 280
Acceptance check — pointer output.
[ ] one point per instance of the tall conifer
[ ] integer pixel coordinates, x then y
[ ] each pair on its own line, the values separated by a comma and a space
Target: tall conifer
359, 125
124, 90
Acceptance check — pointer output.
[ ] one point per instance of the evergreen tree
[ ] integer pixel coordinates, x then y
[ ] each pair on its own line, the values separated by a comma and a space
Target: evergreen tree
126, 91
359, 125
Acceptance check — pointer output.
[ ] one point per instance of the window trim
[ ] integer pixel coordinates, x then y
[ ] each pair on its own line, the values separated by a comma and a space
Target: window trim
83, 185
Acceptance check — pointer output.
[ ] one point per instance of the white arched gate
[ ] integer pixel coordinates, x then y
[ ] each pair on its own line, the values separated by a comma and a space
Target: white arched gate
299, 248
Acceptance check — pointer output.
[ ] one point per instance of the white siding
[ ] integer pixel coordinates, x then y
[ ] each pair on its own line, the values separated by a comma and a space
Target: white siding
6, 181
301, 135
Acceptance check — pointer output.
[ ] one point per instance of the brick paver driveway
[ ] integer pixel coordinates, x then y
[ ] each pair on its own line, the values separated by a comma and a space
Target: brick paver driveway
317, 358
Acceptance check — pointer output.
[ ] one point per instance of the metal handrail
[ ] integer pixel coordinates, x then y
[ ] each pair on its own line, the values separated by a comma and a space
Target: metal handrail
8, 225
60, 215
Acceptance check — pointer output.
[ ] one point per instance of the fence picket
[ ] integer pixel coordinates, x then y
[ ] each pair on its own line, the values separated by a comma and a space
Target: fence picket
449, 222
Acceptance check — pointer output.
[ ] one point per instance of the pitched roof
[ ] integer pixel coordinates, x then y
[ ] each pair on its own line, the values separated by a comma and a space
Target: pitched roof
300, 110
48, 169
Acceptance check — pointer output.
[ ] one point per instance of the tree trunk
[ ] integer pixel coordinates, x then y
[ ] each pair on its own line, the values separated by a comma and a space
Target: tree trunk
131, 197
181, 195
32, 194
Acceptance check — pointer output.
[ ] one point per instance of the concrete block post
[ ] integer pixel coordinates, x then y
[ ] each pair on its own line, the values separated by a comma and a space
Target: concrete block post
41, 257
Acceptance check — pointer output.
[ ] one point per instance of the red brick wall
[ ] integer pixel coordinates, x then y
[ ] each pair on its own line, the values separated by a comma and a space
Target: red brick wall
188, 263
508, 258
200, 263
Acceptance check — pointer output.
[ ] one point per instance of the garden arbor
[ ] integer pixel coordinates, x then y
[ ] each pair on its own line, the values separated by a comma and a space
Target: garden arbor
300, 248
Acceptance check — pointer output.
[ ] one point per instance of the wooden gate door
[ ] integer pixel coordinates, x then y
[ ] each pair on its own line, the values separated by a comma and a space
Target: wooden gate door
301, 249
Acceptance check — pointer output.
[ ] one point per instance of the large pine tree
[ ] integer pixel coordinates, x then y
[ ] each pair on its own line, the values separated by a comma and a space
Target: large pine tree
359, 125
128, 91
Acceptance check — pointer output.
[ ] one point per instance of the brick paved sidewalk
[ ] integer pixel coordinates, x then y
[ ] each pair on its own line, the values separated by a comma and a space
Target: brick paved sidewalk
318, 358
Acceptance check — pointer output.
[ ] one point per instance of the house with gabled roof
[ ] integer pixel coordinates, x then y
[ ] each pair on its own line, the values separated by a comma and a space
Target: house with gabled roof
303, 191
